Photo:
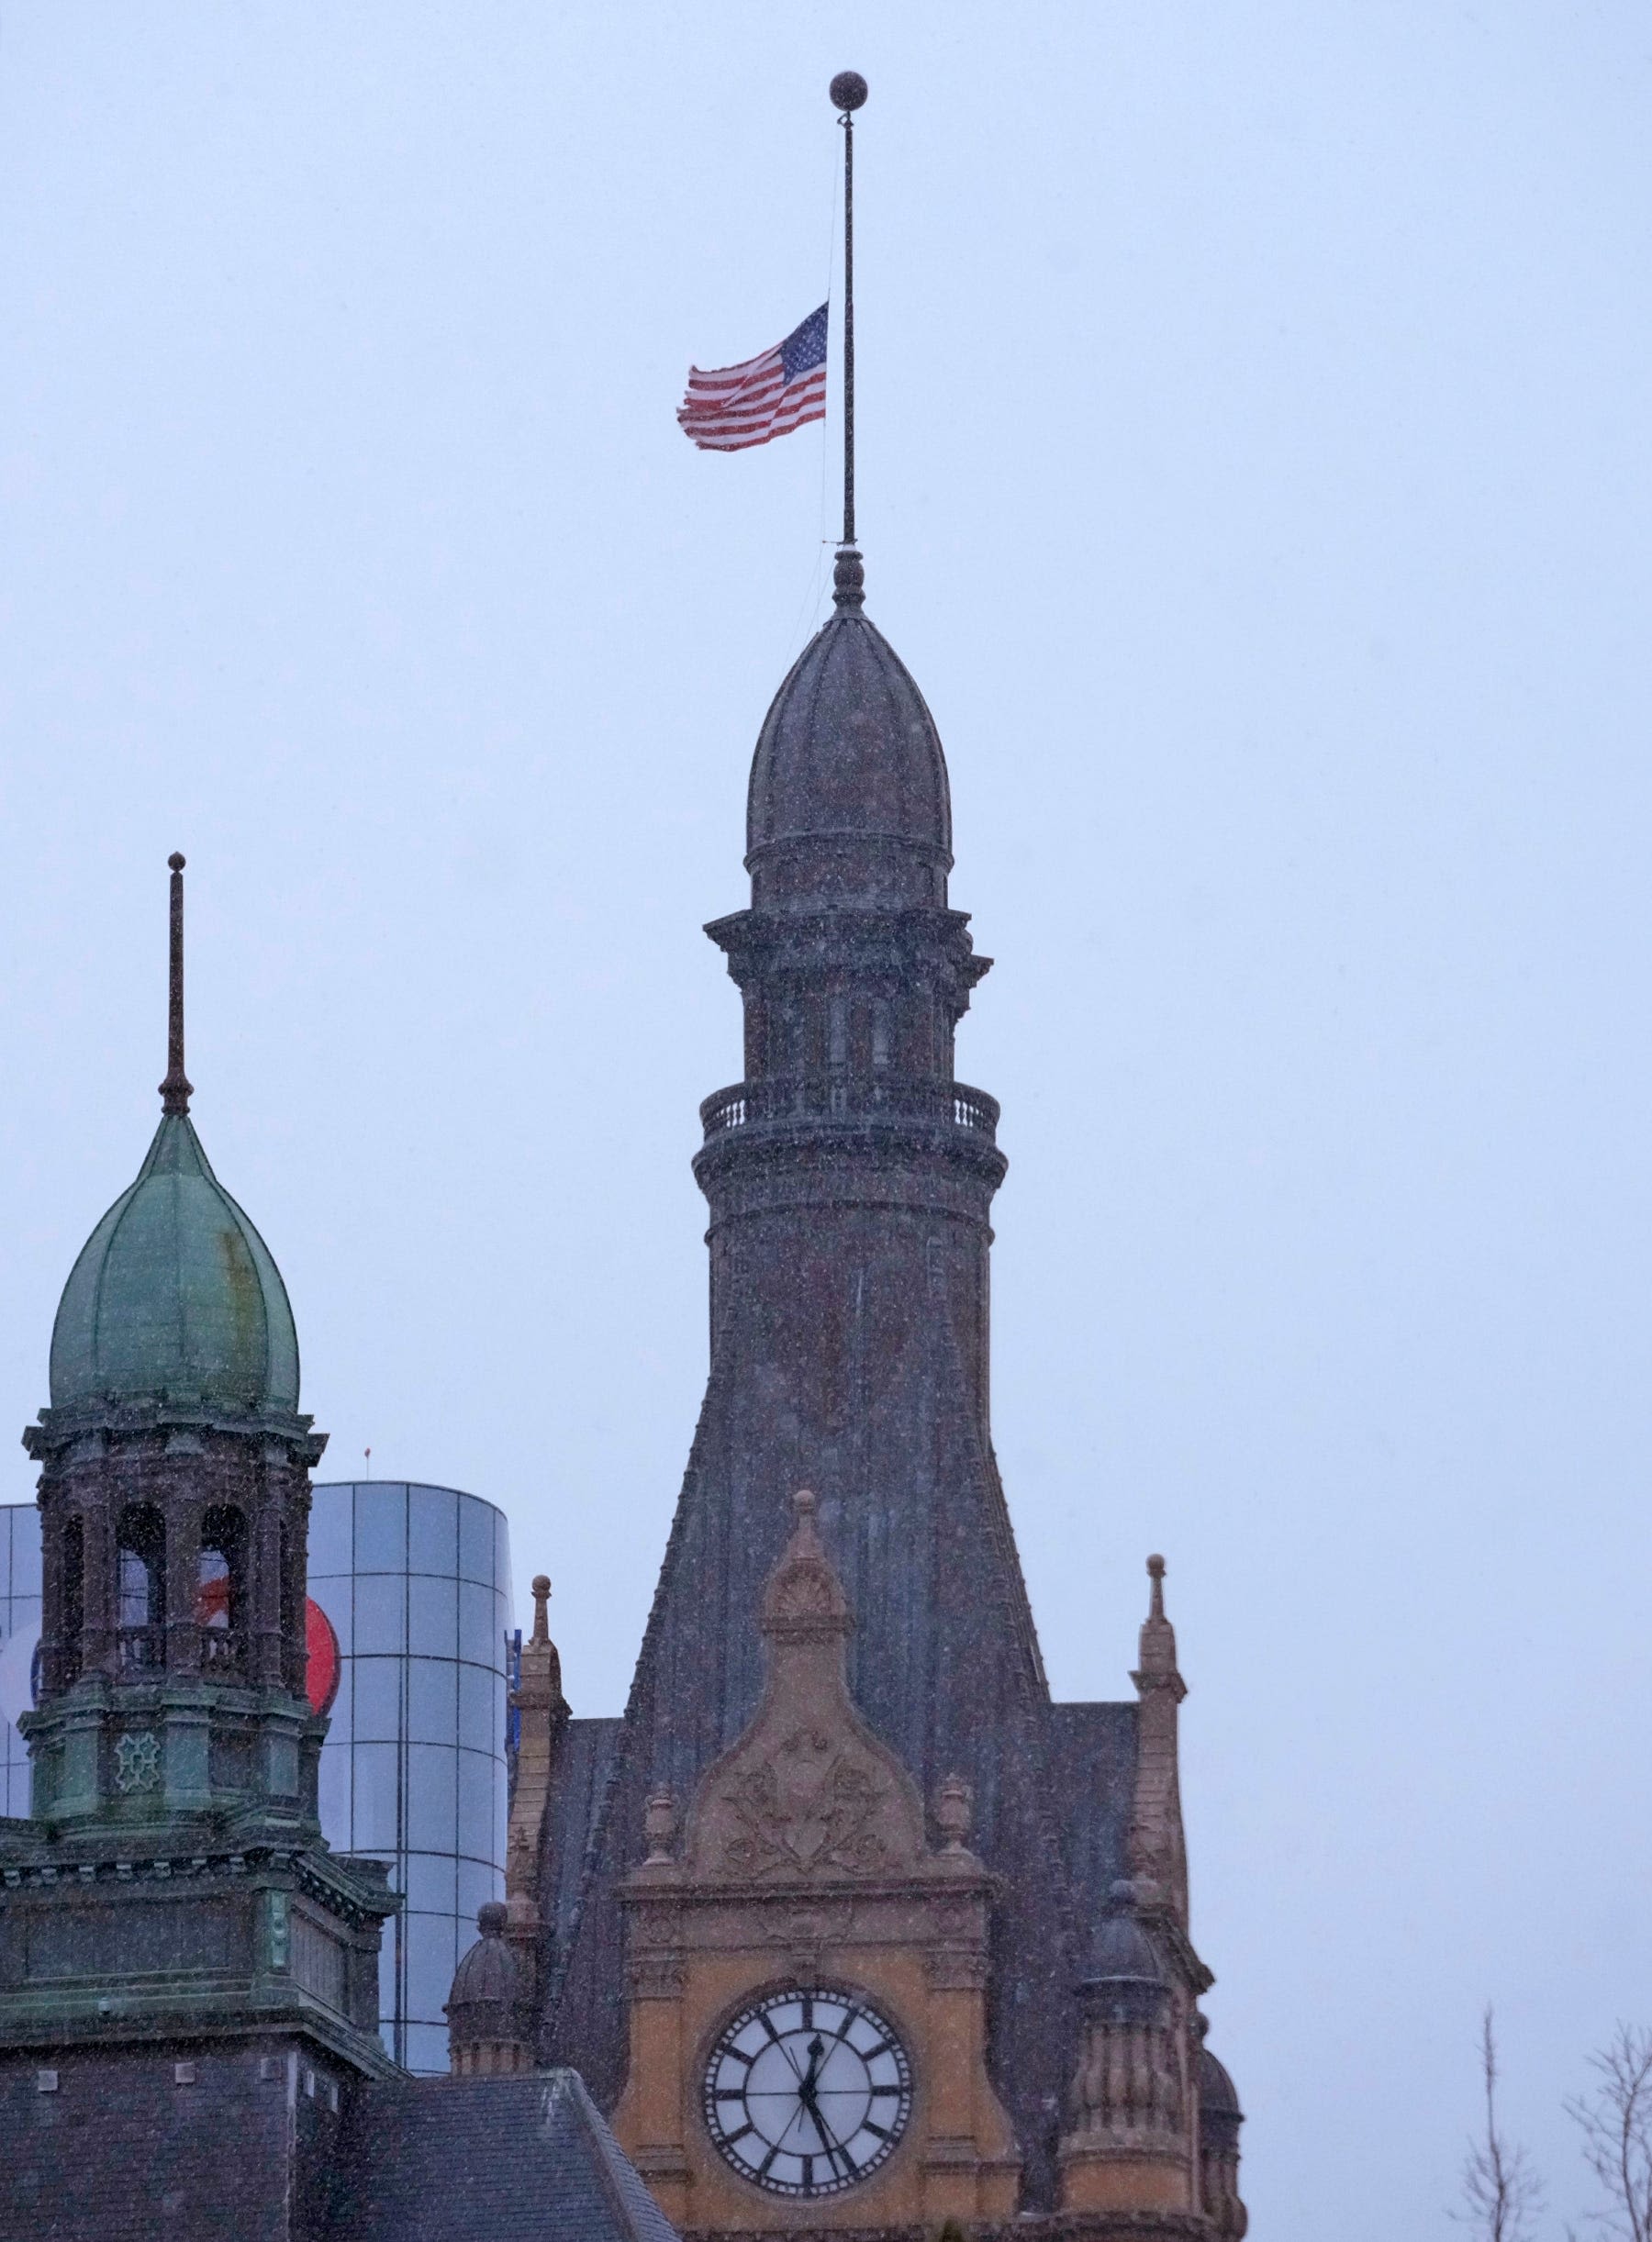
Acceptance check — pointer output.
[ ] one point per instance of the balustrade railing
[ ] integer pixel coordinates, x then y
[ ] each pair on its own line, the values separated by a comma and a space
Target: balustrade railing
140, 1650
143, 1650
837, 1098
221, 1650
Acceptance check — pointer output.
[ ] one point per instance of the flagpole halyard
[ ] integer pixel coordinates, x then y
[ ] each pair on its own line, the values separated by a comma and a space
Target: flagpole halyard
848, 94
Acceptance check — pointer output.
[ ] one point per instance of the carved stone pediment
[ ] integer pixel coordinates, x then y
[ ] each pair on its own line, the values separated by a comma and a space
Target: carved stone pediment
808, 1794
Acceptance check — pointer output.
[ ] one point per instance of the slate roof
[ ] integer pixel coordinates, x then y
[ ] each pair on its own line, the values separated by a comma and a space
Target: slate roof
849, 745
944, 1665
1094, 1757
584, 1765
472, 2160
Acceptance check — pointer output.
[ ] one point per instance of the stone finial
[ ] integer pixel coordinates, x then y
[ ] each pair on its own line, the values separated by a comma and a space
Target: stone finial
954, 1810
659, 1826
849, 582
804, 1600
1156, 1661
541, 1614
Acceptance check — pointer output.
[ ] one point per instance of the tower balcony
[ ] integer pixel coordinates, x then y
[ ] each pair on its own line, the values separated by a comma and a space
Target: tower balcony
859, 1102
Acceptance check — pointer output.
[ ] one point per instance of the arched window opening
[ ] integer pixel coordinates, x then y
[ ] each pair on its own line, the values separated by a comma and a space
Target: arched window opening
72, 1612
140, 1589
221, 1587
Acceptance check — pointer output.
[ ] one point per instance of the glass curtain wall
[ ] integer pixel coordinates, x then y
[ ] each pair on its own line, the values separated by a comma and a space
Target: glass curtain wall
416, 1583
19, 1639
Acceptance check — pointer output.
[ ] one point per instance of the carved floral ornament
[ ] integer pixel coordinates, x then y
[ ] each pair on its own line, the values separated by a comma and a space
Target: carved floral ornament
810, 1807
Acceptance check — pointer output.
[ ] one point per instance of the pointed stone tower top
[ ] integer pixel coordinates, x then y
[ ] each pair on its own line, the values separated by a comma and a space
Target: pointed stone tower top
804, 1600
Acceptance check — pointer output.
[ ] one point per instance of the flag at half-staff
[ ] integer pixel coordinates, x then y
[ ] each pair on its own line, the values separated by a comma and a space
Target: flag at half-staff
733, 407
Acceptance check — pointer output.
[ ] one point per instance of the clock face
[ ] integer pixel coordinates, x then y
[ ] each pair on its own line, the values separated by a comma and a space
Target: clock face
808, 2091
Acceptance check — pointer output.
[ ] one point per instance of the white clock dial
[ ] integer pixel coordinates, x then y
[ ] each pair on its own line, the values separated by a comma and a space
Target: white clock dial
808, 2091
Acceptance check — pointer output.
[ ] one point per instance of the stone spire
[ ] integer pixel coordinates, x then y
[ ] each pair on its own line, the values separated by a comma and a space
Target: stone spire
1158, 1848
543, 1716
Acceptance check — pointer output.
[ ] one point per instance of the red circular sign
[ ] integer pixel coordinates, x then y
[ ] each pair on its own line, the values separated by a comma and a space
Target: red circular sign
321, 1675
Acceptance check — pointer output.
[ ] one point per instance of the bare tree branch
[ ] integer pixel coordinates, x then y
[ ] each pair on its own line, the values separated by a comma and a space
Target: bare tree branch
1502, 2194
1615, 2120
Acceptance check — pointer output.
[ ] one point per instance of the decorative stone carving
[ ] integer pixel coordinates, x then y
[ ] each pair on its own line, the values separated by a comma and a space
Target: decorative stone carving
659, 1826
954, 1810
654, 1976
810, 1807
138, 1761
1125, 2146
808, 1791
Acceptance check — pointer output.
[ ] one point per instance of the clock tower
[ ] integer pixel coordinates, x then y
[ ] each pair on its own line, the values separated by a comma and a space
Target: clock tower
852, 1925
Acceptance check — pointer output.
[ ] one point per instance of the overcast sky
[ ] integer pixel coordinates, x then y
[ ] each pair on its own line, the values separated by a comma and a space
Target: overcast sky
1253, 473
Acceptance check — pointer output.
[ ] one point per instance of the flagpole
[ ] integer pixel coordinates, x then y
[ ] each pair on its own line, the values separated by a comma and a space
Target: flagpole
848, 94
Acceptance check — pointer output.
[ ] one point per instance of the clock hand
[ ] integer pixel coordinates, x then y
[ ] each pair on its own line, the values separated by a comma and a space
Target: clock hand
807, 2091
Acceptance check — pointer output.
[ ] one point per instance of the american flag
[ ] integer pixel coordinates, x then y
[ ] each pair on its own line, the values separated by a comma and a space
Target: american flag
736, 406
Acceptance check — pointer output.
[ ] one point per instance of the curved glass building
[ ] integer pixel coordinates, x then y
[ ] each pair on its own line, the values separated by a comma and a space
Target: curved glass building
416, 1583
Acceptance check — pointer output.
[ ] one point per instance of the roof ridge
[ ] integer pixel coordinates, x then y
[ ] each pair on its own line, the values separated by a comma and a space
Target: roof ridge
606, 2154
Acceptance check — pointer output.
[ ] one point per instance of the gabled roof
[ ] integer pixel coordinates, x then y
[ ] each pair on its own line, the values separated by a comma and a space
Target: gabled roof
472, 2160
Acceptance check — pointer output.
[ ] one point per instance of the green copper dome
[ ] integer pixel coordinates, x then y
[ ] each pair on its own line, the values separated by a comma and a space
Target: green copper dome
174, 1296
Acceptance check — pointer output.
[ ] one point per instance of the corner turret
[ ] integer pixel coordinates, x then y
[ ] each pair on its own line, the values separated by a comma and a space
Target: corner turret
487, 2032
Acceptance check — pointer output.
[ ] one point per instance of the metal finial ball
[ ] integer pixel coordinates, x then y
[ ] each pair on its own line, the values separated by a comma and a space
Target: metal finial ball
174, 862
848, 90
